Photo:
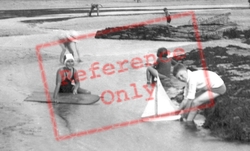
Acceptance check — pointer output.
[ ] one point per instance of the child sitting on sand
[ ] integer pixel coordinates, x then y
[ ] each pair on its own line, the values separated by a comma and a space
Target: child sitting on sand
161, 68
200, 89
68, 45
65, 76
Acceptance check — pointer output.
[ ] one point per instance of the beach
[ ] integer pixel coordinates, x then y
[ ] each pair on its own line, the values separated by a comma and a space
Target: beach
27, 126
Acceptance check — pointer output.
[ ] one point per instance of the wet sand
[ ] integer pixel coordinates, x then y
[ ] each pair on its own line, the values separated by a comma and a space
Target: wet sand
27, 126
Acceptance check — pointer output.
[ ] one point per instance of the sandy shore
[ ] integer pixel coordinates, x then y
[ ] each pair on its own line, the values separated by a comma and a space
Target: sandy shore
27, 126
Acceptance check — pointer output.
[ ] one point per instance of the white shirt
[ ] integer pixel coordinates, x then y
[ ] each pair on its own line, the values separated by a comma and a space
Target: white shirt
200, 79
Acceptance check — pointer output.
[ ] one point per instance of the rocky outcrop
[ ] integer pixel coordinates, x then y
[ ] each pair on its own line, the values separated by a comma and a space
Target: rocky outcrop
170, 33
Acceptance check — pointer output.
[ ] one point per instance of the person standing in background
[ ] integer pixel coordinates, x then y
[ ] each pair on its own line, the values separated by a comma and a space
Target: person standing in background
71, 40
92, 7
168, 18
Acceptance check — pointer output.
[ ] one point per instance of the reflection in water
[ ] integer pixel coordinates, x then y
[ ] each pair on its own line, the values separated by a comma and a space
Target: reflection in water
65, 112
165, 135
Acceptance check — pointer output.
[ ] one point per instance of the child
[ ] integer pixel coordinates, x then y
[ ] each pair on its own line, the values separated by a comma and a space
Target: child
65, 76
197, 91
161, 68
71, 40
167, 14
168, 17
92, 7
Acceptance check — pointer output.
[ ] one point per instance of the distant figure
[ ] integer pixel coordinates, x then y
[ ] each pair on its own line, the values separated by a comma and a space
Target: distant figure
168, 18
161, 68
92, 7
68, 45
167, 14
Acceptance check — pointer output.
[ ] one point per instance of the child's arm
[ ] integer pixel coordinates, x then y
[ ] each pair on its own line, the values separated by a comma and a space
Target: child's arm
186, 103
153, 71
183, 104
77, 82
62, 53
58, 84
156, 64
173, 62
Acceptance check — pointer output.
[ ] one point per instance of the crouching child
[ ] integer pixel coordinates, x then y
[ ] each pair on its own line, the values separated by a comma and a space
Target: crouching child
201, 87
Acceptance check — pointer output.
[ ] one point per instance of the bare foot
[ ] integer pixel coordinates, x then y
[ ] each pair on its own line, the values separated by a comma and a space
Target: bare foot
79, 60
190, 125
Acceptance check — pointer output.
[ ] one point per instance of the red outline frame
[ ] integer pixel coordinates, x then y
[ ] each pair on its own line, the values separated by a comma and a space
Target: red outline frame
132, 122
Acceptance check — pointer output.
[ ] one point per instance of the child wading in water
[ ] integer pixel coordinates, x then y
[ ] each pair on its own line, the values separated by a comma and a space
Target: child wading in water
65, 76
161, 68
68, 45
197, 92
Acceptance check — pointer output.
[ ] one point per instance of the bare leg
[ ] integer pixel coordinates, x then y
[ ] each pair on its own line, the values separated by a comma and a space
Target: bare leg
91, 9
62, 53
203, 98
83, 91
69, 47
168, 30
97, 10
148, 76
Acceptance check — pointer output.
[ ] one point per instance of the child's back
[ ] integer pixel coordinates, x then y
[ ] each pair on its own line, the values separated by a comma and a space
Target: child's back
161, 68
164, 66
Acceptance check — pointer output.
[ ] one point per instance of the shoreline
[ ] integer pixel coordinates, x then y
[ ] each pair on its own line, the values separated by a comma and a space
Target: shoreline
27, 126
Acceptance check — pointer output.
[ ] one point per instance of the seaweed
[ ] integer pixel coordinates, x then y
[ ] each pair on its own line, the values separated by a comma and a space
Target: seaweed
229, 118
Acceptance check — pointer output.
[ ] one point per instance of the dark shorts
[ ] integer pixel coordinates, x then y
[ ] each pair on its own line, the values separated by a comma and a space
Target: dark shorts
168, 19
66, 89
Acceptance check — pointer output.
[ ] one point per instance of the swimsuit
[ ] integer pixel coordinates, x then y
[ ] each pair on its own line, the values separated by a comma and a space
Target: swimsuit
66, 86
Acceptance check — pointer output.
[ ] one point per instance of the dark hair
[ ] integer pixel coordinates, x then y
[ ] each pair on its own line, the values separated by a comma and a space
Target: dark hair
177, 68
162, 52
165, 9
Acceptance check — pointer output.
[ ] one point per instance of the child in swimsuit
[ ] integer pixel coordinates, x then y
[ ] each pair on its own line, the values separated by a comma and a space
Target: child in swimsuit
68, 45
167, 14
65, 78
197, 92
168, 17
161, 68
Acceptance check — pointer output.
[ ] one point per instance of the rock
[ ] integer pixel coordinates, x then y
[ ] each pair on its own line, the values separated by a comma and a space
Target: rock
185, 32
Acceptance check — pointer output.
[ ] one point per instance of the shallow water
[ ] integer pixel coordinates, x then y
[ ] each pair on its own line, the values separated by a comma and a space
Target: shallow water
70, 119
166, 135
169, 135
